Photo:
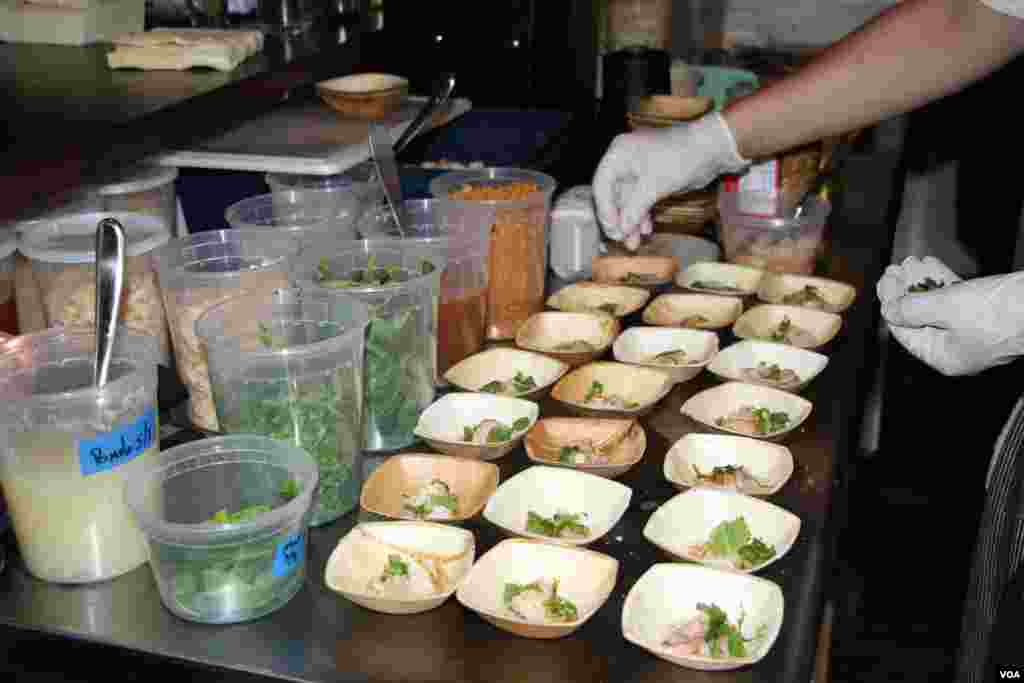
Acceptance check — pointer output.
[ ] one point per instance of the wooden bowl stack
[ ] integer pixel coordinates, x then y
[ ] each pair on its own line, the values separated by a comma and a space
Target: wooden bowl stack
364, 95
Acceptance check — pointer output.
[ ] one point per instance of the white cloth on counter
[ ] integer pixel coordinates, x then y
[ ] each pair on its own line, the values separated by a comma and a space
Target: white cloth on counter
179, 49
575, 233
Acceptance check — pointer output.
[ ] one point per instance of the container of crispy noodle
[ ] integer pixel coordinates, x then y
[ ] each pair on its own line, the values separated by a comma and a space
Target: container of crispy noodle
519, 238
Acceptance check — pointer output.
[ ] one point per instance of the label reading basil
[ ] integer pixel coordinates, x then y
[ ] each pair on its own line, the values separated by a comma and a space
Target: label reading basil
290, 553
109, 450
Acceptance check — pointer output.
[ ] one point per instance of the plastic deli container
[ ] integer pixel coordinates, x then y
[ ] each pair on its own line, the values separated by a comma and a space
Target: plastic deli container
8, 305
290, 366
67, 449
311, 217
400, 281
62, 254
205, 269
225, 519
519, 239
783, 243
459, 234
140, 188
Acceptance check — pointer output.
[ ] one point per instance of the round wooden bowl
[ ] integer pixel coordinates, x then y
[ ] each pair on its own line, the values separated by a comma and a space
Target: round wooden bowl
364, 96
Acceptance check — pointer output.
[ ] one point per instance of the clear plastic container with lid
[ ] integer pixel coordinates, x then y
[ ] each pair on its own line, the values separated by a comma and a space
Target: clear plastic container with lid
313, 217
204, 269
66, 449
290, 366
8, 307
225, 519
140, 188
400, 280
519, 239
62, 255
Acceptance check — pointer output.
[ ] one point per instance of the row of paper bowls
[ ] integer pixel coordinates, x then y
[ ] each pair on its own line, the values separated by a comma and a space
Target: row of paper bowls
588, 577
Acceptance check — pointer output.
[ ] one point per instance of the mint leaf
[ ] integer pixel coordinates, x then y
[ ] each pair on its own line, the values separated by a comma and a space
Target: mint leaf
728, 537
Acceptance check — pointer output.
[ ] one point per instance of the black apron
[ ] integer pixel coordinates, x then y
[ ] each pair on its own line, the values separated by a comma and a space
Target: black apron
992, 635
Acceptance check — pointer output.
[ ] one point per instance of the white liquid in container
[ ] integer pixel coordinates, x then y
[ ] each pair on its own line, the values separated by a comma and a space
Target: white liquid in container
70, 527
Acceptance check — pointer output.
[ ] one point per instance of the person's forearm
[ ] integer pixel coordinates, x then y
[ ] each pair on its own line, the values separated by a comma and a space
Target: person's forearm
915, 52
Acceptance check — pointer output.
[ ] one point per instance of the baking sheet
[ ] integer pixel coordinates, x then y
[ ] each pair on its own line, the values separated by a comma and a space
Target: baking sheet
305, 137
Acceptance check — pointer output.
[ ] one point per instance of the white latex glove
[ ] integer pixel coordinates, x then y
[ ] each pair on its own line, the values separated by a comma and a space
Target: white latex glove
644, 166
898, 279
962, 328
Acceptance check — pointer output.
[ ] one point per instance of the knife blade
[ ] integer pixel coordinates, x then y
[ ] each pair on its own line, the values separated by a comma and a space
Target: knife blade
384, 159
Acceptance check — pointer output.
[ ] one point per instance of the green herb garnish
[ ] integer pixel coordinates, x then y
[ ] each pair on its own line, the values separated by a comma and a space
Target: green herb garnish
266, 338
514, 590
554, 526
768, 422
926, 285
559, 609
718, 628
495, 387
595, 391
396, 567
609, 308
246, 514
523, 383
779, 334
290, 489
568, 454
733, 539
499, 433
371, 276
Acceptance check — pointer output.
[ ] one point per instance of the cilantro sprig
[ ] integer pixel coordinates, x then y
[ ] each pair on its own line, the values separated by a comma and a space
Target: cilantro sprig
553, 527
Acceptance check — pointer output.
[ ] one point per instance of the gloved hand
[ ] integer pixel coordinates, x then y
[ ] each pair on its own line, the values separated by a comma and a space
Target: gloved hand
898, 279
644, 166
961, 328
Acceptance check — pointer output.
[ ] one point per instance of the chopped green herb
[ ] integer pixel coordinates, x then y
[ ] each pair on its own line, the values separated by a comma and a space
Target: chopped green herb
514, 590
780, 333
396, 567
568, 454
559, 609
290, 489
451, 502
754, 554
926, 285
267, 338
495, 387
596, 390
554, 526
717, 628
769, 422
467, 433
246, 514
732, 539
523, 383
609, 308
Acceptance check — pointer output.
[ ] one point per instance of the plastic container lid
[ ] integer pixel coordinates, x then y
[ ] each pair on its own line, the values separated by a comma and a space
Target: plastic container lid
136, 179
72, 239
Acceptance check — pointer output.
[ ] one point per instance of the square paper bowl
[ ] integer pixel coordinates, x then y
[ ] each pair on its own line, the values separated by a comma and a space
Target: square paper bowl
760, 321
740, 280
441, 424
688, 518
544, 442
707, 406
547, 490
734, 361
446, 551
771, 465
634, 270
544, 331
589, 297
473, 482
644, 386
585, 577
667, 595
775, 287
638, 345
688, 249
501, 363
679, 310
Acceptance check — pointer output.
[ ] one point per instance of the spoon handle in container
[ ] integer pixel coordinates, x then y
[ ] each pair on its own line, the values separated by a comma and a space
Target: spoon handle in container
109, 281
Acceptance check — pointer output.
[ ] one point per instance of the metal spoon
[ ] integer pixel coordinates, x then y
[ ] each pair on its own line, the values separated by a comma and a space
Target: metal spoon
109, 281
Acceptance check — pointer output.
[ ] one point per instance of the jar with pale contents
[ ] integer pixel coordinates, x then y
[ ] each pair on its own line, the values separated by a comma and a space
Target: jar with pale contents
519, 238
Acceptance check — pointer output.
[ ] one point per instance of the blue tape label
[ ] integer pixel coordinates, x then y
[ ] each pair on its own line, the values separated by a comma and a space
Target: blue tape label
109, 450
290, 554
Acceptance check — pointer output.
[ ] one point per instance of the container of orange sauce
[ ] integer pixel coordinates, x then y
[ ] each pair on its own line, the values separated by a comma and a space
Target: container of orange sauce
519, 238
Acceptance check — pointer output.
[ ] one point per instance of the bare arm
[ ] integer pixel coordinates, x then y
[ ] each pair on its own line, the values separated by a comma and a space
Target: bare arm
911, 54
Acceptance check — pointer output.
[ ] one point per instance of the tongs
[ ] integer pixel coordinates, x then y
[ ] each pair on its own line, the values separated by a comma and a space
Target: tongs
442, 92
